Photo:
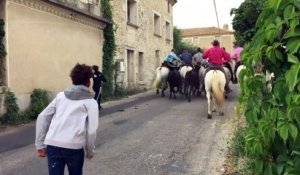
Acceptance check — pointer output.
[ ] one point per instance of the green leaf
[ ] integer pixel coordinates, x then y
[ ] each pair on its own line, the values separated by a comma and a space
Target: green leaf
268, 170
258, 148
293, 59
279, 168
296, 153
289, 12
259, 166
297, 3
292, 32
282, 158
283, 132
292, 76
293, 131
293, 45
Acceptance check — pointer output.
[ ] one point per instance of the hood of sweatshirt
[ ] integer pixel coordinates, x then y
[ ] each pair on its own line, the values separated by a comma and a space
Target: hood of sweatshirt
78, 92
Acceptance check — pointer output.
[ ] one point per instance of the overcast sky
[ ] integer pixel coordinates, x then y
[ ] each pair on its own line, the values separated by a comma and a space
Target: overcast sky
201, 13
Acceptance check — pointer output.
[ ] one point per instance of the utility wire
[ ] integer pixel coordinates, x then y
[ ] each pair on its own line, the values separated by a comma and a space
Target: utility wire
217, 16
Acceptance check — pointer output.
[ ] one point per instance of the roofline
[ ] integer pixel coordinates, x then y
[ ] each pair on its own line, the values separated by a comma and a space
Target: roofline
216, 34
173, 2
89, 15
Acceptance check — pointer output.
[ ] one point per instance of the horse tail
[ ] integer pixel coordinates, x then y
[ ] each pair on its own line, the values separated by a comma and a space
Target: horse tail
157, 80
218, 90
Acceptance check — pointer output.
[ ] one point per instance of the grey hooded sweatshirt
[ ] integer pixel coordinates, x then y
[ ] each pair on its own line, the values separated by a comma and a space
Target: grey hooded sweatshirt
69, 121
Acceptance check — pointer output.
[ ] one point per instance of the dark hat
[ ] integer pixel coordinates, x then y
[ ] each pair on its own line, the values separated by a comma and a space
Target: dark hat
215, 42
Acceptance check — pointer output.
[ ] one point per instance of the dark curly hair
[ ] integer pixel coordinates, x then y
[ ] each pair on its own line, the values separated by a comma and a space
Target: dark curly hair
81, 74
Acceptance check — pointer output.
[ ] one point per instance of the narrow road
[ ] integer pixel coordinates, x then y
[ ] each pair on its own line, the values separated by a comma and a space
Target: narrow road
146, 135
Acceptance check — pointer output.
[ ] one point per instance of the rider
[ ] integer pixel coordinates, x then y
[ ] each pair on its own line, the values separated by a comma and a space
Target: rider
197, 58
186, 57
226, 64
216, 56
236, 55
171, 58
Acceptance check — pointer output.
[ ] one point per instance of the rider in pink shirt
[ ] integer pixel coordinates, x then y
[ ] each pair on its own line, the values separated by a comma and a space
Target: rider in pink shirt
236, 55
216, 57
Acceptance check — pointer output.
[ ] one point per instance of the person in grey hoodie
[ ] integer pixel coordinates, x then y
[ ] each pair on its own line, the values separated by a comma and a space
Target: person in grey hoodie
66, 128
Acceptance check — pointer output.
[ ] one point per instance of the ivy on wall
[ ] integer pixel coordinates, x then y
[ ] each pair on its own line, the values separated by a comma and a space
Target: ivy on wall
2, 33
2, 53
109, 48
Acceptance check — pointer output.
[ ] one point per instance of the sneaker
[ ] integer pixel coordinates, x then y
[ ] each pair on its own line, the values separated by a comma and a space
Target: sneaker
100, 108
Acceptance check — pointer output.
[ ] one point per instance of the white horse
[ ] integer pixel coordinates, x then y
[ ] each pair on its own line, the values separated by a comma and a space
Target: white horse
214, 86
160, 81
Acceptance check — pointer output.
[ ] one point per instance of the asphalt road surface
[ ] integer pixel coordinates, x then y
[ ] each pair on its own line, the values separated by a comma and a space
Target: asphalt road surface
144, 134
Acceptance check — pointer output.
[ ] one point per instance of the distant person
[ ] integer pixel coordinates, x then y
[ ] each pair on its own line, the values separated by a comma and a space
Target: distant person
172, 58
226, 64
98, 78
216, 56
66, 128
197, 57
236, 55
186, 57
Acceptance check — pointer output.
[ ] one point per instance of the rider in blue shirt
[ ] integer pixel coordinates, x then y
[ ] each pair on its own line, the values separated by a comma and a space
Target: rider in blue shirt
186, 57
171, 58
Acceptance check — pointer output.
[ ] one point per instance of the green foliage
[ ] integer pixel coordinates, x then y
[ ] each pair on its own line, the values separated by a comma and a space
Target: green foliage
109, 48
12, 110
2, 53
237, 142
2, 34
273, 140
179, 45
38, 102
120, 91
245, 18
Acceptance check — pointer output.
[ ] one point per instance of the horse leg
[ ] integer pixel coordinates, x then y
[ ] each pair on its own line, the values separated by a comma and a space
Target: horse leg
190, 93
208, 105
157, 91
163, 90
171, 90
214, 105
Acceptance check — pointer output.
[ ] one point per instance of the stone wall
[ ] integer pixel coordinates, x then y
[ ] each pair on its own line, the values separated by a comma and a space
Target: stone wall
140, 39
44, 43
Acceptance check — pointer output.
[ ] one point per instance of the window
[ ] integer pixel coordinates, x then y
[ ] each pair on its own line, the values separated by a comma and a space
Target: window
130, 65
156, 24
169, 7
141, 66
157, 58
168, 31
132, 12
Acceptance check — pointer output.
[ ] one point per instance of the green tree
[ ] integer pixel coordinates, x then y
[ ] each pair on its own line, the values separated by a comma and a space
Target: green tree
272, 141
245, 18
178, 44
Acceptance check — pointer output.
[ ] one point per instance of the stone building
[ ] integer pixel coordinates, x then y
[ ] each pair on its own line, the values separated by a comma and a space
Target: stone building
202, 37
144, 35
45, 39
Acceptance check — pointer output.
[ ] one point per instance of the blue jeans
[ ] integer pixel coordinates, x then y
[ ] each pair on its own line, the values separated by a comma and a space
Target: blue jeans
59, 157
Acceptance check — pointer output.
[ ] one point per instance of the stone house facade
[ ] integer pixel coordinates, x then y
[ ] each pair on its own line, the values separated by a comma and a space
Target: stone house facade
202, 37
45, 39
144, 36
